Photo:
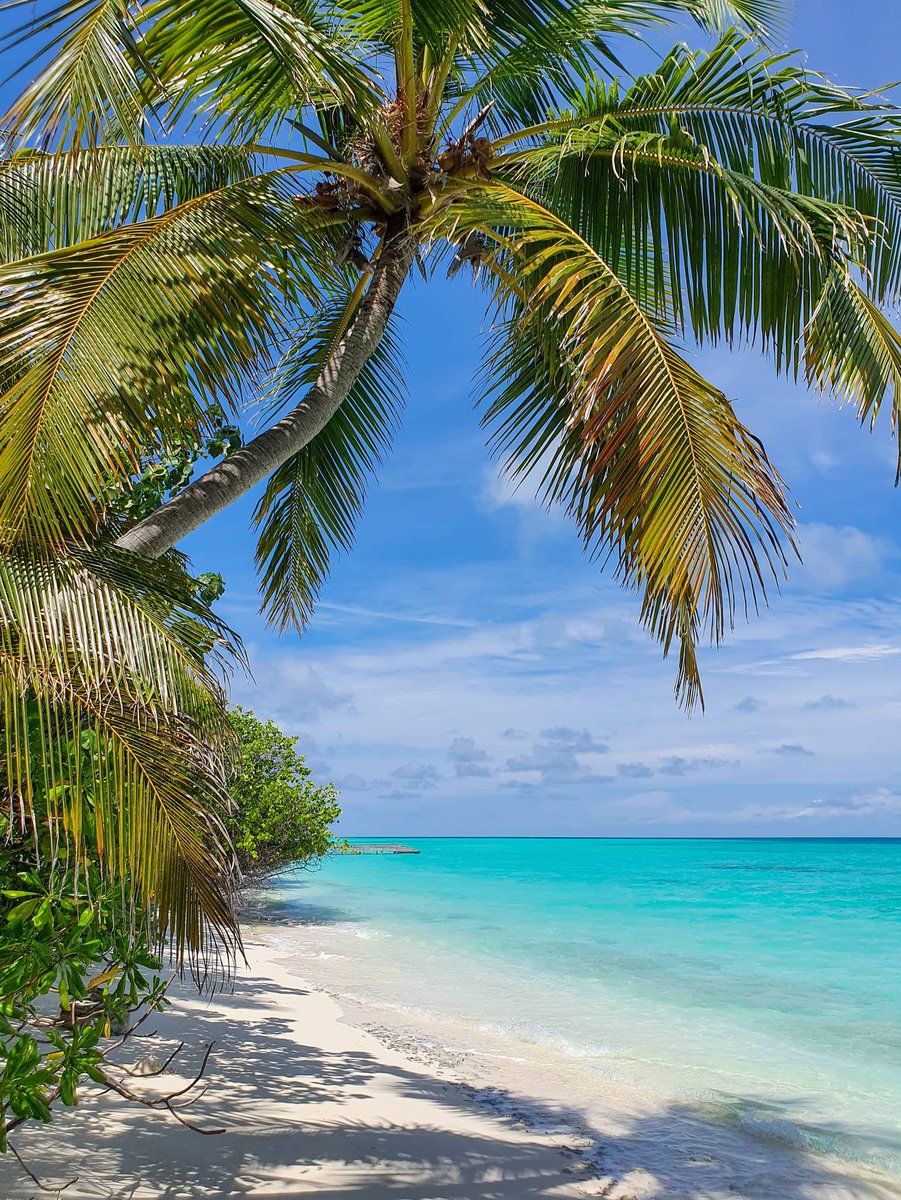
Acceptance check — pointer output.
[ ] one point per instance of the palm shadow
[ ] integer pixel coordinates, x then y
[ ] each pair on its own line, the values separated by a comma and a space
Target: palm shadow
279, 1099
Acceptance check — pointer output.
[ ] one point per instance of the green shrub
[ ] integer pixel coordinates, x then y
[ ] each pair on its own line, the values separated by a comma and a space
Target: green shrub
281, 816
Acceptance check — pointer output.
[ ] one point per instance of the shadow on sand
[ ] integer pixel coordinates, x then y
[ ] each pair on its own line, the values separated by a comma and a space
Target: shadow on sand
265, 1083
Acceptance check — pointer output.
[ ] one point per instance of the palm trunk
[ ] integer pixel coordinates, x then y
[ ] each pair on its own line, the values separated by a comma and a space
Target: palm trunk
248, 466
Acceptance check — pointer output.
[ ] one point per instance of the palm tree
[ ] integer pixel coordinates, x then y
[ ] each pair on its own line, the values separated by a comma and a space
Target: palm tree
152, 288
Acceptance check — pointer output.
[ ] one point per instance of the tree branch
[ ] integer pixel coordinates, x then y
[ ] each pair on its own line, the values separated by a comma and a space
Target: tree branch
166, 1102
39, 1183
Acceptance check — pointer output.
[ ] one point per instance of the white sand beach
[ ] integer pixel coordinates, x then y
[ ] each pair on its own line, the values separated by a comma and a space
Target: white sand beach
312, 1105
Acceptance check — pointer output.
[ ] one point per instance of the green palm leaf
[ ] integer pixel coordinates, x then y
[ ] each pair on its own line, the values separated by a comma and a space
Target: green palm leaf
853, 351
757, 232
380, 23
52, 200
98, 84
535, 56
100, 645
132, 339
710, 249
734, 113
763, 18
246, 64
311, 503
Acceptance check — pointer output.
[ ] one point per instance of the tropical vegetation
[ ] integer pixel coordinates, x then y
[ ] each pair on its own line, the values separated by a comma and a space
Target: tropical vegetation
279, 817
81, 966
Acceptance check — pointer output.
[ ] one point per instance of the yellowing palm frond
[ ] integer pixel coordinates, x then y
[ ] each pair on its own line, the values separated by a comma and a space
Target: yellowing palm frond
95, 644
645, 453
48, 201
127, 341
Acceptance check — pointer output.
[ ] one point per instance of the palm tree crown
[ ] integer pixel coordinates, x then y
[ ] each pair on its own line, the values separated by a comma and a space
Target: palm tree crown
730, 194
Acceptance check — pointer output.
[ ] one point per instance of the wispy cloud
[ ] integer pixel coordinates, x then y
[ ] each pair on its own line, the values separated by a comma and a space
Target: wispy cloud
403, 618
439, 729
863, 653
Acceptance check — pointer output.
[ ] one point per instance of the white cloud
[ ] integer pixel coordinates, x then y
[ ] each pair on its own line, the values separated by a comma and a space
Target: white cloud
499, 490
849, 653
436, 720
835, 557
403, 618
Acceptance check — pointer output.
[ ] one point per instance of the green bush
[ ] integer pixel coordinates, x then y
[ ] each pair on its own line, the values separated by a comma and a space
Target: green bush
79, 951
281, 816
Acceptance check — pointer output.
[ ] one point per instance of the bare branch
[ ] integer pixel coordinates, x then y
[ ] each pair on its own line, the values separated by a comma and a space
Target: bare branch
160, 1069
45, 1187
166, 1102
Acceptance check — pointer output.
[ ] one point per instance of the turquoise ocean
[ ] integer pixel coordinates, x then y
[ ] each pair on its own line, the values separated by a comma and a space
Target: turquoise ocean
761, 978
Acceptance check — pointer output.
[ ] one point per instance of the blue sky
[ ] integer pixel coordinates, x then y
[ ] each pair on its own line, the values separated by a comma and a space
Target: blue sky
469, 672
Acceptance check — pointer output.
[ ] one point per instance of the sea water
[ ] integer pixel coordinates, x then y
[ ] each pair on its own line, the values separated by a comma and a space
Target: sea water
759, 977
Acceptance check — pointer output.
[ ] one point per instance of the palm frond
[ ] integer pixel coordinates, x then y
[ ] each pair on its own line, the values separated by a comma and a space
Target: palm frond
48, 201
538, 54
376, 24
647, 455
788, 213
311, 503
762, 18
852, 351
535, 52
714, 250
245, 65
761, 117
132, 339
97, 86
101, 645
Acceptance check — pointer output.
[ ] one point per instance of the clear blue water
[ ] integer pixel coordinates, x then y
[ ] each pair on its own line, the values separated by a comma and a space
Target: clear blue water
760, 976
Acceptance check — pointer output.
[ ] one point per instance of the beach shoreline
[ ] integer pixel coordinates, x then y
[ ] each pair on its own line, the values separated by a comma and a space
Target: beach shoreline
326, 1098
635, 1142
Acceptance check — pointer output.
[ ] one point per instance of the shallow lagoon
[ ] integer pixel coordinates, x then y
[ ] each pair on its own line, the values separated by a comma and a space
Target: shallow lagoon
761, 979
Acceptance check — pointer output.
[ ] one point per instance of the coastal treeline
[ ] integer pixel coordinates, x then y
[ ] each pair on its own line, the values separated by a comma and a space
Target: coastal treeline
208, 211
279, 815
